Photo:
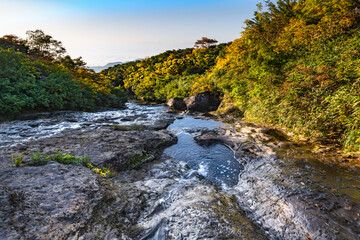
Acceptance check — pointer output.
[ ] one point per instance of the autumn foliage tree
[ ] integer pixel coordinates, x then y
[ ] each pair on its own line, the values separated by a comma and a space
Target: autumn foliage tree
296, 65
167, 75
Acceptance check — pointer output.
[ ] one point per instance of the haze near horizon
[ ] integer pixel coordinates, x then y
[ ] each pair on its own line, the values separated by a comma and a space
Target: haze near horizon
110, 31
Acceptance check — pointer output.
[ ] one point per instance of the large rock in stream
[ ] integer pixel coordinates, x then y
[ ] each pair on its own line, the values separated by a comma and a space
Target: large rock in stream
203, 102
177, 104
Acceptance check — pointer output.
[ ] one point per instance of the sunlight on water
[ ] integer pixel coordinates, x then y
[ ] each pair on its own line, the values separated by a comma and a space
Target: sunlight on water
215, 162
50, 124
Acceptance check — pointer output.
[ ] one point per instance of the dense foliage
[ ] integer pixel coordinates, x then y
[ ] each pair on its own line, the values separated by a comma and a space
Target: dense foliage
296, 65
41, 79
171, 74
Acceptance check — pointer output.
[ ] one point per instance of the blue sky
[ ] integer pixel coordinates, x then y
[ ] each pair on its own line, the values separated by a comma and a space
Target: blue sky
103, 31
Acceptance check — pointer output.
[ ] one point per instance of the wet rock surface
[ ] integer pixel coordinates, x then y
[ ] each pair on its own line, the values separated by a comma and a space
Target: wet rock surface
291, 198
179, 204
228, 183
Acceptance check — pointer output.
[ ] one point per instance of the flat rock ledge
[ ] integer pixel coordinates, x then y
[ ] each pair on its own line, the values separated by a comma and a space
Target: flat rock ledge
57, 201
108, 146
48, 202
290, 198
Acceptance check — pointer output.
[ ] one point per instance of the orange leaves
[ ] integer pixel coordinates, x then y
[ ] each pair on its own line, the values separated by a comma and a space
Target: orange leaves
331, 17
201, 84
310, 78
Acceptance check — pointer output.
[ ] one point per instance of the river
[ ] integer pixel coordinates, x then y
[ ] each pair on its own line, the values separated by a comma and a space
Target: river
214, 191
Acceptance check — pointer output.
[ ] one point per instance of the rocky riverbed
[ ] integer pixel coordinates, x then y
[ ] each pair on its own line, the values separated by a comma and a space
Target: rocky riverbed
194, 179
291, 197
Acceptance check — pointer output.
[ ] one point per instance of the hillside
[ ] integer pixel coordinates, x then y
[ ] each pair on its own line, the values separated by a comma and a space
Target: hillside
41, 78
170, 74
98, 69
296, 66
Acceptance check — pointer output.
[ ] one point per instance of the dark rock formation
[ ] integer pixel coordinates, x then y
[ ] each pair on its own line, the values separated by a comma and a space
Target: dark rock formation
203, 102
177, 104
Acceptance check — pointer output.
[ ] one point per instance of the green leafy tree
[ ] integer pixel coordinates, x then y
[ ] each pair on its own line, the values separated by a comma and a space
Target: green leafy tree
70, 63
44, 45
14, 42
39, 79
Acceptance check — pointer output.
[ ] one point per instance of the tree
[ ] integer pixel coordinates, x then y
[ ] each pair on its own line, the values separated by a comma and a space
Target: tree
44, 45
205, 42
70, 63
14, 42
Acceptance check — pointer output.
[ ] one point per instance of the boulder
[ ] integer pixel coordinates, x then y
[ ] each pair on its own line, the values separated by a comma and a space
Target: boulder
177, 104
203, 102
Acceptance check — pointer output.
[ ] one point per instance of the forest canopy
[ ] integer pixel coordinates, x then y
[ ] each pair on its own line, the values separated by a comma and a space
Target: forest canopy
37, 75
176, 73
296, 65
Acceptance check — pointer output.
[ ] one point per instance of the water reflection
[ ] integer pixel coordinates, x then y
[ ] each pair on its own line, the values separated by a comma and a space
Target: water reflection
215, 163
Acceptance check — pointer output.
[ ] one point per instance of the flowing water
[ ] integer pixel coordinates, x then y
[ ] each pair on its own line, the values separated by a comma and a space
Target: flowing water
215, 163
198, 205
204, 192
36, 126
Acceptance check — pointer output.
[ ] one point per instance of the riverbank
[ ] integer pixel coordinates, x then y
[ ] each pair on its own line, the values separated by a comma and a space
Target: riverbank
286, 143
289, 190
148, 196
196, 189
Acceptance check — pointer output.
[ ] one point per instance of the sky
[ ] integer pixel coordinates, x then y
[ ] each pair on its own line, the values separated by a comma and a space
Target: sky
103, 31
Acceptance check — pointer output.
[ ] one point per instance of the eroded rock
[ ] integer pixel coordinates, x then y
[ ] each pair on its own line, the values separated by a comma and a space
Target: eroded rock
291, 198
49, 202
119, 150
177, 104
203, 102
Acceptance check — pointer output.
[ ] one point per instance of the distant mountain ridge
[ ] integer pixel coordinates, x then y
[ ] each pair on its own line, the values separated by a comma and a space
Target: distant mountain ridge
99, 68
